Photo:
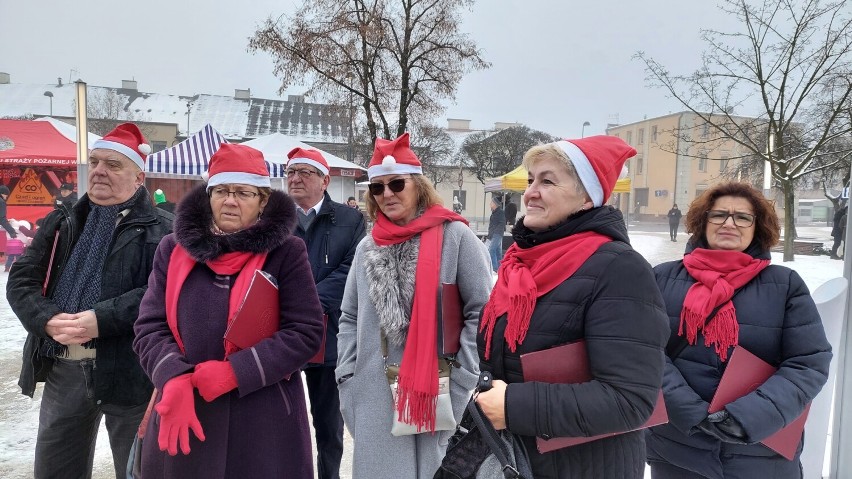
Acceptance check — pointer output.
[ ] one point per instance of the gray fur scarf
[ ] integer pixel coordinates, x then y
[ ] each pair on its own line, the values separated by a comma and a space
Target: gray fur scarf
390, 273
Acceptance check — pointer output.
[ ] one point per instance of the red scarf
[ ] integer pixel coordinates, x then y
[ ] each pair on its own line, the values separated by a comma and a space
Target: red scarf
418, 370
527, 274
717, 274
180, 265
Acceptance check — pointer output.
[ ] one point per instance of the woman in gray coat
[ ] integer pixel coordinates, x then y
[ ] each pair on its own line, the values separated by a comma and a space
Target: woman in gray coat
392, 288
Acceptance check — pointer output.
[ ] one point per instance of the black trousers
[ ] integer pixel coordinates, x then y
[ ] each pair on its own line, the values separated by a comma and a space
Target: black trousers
327, 420
673, 230
836, 245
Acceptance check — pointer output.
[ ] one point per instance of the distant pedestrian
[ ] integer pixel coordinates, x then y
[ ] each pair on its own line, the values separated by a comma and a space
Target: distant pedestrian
511, 213
4, 223
496, 228
162, 203
67, 197
838, 230
674, 221
353, 203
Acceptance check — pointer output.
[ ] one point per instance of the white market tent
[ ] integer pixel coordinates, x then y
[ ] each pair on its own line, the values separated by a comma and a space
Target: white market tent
343, 173
191, 157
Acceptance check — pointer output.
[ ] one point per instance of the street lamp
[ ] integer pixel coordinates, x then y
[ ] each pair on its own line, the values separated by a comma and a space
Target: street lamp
49, 94
188, 109
583, 130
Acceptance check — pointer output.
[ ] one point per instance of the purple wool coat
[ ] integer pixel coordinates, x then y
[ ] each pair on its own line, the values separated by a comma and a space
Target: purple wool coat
260, 429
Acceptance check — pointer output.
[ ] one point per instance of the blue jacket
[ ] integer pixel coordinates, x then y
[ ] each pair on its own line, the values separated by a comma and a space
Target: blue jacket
331, 240
778, 322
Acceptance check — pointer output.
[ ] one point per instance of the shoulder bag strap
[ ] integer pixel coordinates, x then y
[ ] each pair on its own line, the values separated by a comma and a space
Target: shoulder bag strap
492, 438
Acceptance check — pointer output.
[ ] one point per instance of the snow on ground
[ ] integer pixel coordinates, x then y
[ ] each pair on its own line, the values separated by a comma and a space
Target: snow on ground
19, 414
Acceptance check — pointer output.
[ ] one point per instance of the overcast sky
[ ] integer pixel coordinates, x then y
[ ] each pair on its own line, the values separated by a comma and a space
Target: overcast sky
555, 64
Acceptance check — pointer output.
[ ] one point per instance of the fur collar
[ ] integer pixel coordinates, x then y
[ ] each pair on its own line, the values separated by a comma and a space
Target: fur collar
193, 218
390, 274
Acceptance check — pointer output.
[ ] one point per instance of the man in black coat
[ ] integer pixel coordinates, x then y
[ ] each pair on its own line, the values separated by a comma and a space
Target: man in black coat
674, 216
838, 230
496, 228
331, 232
77, 292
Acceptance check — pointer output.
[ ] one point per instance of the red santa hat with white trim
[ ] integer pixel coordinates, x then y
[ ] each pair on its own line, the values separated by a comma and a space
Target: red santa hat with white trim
308, 157
393, 157
599, 161
240, 164
128, 140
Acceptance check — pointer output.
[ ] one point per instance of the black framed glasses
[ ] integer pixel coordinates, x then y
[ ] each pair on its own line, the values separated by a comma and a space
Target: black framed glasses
719, 217
304, 173
397, 185
220, 193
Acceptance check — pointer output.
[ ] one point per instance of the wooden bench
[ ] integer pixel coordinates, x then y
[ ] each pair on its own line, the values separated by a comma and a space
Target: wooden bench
803, 247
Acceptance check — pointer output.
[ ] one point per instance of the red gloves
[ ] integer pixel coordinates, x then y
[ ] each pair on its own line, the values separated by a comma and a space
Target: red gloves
214, 378
177, 415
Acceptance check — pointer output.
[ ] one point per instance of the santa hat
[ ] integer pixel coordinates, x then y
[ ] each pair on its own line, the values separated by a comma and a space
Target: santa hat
307, 157
393, 157
127, 140
599, 161
234, 163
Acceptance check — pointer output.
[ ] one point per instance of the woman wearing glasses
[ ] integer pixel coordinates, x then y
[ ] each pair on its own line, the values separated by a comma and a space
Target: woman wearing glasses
726, 276
389, 316
224, 411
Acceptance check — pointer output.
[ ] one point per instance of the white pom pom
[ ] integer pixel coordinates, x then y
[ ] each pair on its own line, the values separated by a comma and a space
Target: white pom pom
388, 160
205, 176
145, 149
623, 172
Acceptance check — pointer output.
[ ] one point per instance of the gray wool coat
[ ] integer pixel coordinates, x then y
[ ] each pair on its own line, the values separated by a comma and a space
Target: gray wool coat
365, 398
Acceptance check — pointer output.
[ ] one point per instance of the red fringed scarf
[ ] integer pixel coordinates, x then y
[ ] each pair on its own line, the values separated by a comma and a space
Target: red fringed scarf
717, 274
180, 265
418, 370
527, 274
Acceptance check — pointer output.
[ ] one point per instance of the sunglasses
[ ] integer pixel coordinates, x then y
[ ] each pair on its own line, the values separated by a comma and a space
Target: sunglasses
397, 185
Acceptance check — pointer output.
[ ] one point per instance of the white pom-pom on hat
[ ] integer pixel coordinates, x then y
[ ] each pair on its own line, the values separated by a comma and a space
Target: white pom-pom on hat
388, 160
145, 149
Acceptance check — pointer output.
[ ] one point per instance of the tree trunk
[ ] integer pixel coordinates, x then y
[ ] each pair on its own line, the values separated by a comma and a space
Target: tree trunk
789, 220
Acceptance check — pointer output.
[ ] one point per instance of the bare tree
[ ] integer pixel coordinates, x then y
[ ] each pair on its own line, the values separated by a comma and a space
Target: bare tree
396, 59
106, 109
792, 62
491, 154
435, 149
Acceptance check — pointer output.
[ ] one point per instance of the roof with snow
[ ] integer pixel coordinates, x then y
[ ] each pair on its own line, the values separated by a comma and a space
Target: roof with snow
234, 118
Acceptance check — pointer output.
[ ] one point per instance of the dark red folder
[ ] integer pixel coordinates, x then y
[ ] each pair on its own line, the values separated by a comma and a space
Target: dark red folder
319, 357
745, 373
258, 316
451, 320
569, 364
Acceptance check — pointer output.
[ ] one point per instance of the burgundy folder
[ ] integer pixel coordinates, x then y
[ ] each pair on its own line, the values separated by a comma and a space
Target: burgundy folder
319, 357
451, 320
569, 364
258, 316
745, 373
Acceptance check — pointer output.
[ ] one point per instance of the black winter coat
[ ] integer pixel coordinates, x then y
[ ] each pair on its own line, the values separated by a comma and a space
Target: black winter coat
118, 377
331, 240
613, 304
778, 322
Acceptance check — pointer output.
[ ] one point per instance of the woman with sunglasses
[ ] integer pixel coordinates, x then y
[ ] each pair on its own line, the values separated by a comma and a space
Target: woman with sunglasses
390, 315
766, 309
223, 410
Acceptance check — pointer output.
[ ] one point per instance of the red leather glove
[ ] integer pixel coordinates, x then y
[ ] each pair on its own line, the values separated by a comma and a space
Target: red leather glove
213, 379
177, 415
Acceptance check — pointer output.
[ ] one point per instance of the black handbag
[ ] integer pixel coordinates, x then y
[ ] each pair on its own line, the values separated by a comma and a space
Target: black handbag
476, 450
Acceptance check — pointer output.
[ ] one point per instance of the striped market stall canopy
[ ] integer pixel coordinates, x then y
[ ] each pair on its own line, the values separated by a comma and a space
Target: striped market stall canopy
190, 158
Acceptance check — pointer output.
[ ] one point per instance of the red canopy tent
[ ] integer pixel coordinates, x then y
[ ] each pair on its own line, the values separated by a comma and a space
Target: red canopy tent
35, 159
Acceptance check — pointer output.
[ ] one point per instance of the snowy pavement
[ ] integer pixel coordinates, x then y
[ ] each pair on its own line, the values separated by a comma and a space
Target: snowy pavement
19, 414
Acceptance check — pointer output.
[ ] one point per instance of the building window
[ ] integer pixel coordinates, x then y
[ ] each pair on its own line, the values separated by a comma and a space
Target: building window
654, 133
702, 161
641, 137
640, 165
628, 137
158, 145
723, 165
705, 130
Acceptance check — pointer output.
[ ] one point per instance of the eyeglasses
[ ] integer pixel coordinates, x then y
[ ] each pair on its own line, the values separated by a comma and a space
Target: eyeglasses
303, 173
719, 217
397, 185
220, 193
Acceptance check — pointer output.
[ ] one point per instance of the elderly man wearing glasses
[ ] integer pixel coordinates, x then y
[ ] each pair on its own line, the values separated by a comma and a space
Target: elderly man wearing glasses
331, 232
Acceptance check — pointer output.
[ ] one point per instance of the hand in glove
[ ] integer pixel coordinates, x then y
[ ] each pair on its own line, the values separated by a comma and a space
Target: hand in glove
177, 415
724, 427
213, 379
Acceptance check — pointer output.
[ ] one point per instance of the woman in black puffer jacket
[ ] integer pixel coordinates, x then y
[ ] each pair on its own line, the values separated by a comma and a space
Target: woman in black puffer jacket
570, 276
772, 315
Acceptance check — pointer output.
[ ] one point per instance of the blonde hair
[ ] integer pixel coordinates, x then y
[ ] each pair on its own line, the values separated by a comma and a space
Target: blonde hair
426, 196
552, 151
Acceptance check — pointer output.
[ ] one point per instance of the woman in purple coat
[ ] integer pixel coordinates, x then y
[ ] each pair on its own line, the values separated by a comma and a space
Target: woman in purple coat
224, 412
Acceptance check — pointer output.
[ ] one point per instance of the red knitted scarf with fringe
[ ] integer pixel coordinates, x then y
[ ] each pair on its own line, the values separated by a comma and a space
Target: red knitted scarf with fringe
527, 274
418, 370
718, 273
